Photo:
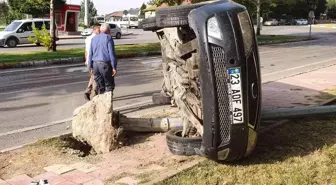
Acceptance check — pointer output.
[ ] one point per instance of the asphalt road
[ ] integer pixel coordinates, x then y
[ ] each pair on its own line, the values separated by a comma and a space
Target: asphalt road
140, 36
31, 97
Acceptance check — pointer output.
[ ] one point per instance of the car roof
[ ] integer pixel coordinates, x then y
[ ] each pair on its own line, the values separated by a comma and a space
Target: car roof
32, 20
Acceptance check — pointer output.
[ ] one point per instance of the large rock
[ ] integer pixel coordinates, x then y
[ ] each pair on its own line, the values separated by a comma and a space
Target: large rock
93, 124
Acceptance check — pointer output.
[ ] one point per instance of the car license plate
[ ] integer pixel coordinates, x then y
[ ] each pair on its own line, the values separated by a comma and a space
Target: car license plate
236, 95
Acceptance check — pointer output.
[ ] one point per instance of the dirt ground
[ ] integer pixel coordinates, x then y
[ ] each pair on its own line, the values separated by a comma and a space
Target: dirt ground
141, 155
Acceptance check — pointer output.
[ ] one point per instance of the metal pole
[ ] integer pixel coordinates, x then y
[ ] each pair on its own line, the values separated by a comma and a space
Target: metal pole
86, 17
258, 18
150, 124
310, 28
290, 113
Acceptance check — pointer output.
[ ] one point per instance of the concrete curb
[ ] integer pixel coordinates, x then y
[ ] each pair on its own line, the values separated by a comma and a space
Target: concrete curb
287, 41
74, 60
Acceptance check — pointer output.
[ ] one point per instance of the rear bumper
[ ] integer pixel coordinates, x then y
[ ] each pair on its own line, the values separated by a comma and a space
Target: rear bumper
224, 140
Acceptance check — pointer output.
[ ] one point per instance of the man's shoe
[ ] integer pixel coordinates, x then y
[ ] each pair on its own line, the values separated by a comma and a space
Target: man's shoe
87, 96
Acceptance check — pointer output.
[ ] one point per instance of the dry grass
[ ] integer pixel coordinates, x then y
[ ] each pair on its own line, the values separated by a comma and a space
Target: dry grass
32, 159
298, 153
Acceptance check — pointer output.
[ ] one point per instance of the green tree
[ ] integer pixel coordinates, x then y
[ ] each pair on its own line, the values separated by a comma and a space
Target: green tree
4, 11
34, 7
143, 6
92, 12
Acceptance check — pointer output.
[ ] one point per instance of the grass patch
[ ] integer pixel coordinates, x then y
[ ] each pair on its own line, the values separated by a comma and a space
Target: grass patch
121, 51
279, 38
328, 94
297, 153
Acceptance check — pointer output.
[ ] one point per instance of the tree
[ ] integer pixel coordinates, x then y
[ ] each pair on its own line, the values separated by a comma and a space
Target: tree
53, 24
331, 4
142, 13
4, 11
34, 7
92, 12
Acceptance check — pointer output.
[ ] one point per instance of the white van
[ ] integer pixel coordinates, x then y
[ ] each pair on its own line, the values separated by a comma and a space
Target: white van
19, 31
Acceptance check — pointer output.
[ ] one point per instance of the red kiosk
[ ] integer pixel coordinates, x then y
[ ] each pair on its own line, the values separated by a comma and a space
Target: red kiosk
67, 18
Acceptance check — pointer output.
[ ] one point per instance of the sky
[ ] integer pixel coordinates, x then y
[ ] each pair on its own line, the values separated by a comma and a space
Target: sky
109, 6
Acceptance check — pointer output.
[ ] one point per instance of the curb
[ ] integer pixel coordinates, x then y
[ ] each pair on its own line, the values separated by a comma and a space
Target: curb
287, 41
74, 60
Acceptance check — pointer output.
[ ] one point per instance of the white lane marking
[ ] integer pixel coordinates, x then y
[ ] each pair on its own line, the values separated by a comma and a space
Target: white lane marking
298, 67
143, 103
73, 69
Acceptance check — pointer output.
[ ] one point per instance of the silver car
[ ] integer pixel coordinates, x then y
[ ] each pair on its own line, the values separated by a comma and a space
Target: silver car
115, 31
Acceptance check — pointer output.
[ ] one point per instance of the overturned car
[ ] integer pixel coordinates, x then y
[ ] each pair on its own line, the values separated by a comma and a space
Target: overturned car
212, 74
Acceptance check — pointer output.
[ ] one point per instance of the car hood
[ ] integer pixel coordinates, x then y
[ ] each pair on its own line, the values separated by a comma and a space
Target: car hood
3, 34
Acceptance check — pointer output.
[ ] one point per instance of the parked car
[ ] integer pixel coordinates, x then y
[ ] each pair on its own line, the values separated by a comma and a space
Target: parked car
272, 22
19, 31
301, 21
115, 31
282, 22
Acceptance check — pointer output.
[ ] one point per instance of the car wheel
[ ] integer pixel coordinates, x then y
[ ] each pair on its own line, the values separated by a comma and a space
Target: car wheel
118, 35
175, 16
12, 42
179, 145
149, 24
38, 44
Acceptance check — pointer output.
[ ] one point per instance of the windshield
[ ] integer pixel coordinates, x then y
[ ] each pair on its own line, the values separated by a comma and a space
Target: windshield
13, 26
134, 19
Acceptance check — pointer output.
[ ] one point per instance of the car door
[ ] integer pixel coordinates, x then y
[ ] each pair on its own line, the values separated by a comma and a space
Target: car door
113, 30
24, 32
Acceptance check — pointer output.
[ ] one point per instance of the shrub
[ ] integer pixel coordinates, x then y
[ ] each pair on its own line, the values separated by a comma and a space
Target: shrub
42, 37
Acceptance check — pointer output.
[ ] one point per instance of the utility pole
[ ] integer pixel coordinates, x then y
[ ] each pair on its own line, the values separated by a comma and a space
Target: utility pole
86, 17
258, 17
53, 24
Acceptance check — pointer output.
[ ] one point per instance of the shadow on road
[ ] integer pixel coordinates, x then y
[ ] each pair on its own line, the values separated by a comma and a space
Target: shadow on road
17, 108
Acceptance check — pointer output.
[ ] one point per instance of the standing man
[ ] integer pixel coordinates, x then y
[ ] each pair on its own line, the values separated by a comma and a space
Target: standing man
102, 59
92, 83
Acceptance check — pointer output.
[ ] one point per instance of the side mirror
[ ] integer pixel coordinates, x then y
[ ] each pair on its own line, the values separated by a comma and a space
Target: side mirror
20, 30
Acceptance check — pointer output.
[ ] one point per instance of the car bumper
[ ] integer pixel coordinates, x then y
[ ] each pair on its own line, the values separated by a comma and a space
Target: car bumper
223, 139
2, 42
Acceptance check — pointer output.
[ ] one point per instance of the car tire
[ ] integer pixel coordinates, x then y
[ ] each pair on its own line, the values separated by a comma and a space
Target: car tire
149, 24
175, 16
178, 145
38, 44
12, 42
118, 35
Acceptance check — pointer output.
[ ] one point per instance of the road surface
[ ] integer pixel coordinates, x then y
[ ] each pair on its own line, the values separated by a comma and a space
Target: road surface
31, 97
141, 36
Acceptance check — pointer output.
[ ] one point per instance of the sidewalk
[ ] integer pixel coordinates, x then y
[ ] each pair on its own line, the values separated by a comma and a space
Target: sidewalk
149, 158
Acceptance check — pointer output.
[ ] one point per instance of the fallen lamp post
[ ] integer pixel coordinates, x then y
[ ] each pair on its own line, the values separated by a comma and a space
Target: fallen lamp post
166, 124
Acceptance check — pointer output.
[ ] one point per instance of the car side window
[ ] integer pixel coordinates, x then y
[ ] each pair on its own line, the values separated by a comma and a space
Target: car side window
113, 26
47, 23
38, 25
27, 27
